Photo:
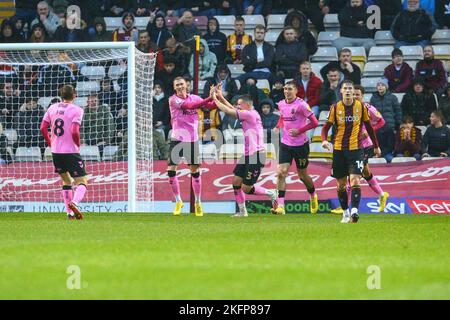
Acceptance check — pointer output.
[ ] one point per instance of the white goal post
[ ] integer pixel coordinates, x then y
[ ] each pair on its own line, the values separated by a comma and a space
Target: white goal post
127, 184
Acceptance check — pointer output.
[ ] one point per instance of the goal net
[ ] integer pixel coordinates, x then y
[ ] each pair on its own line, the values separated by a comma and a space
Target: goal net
114, 83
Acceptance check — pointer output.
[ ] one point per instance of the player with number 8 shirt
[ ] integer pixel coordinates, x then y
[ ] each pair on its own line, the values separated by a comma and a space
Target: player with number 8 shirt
347, 116
65, 120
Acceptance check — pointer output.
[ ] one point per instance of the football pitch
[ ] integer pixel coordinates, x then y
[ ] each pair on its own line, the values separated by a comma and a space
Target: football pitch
158, 256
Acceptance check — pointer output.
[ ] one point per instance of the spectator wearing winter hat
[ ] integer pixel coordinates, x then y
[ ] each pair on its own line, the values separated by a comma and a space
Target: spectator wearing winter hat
158, 31
99, 32
38, 34
277, 92
269, 119
9, 33
389, 107
223, 77
217, 41
419, 103
128, 32
431, 71
398, 73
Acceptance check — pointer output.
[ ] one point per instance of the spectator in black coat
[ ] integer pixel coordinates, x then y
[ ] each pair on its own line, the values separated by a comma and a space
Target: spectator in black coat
142, 8
229, 7
268, 118
38, 34
330, 90
387, 104
68, 33
5, 157
10, 103
9, 33
258, 57
222, 76
26, 10
299, 22
53, 77
442, 13
290, 53
388, 9
108, 96
436, 140
158, 31
198, 7
350, 70
99, 32
217, 41
355, 31
277, 92
118, 7
28, 121
186, 29
418, 103
413, 26
179, 54
167, 75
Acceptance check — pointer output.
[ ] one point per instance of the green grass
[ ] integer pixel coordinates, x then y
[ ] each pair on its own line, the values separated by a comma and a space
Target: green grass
157, 256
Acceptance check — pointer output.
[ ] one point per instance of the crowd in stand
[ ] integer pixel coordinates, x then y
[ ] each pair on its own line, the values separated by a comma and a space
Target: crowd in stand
426, 100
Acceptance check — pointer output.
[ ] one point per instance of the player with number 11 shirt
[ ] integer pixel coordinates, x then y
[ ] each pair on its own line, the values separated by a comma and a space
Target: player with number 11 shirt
65, 119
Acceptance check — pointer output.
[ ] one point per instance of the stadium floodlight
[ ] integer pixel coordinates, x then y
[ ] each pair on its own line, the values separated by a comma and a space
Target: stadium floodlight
120, 166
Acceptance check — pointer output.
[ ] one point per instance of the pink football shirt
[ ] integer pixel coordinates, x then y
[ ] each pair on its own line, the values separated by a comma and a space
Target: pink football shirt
295, 116
61, 116
375, 117
253, 131
184, 121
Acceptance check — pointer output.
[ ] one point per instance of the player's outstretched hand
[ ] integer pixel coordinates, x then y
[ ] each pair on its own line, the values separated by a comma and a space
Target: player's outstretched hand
377, 152
326, 145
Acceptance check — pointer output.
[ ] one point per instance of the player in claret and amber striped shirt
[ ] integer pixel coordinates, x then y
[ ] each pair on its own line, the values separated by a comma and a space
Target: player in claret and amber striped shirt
347, 116
65, 121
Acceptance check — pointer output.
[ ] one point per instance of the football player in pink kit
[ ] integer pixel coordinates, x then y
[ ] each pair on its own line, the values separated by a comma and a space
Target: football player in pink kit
65, 121
294, 116
184, 140
377, 122
249, 167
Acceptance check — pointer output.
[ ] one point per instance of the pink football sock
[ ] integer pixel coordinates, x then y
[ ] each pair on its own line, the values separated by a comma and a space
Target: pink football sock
260, 191
373, 183
67, 195
175, 187
197, 187
79, 193
239, 195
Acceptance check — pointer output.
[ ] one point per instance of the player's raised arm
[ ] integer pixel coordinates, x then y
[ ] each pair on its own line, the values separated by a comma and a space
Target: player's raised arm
222, 103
